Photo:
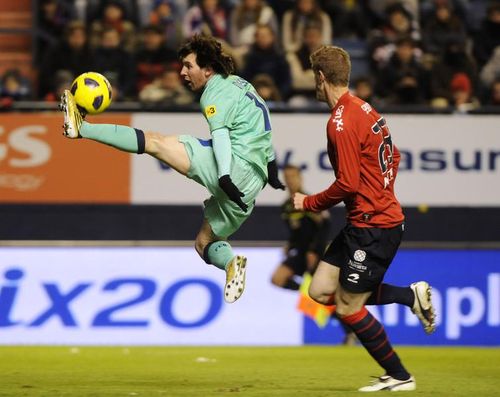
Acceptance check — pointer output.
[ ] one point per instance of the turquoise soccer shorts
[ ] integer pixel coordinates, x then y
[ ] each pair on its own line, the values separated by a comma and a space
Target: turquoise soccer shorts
223, 215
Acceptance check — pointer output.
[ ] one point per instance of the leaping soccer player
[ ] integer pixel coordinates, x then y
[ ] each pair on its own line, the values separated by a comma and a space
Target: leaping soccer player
233, 166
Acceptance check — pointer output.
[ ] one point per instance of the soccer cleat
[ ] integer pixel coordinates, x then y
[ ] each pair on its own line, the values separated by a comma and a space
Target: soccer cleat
72, 117
235, 279
388, 383
422, 306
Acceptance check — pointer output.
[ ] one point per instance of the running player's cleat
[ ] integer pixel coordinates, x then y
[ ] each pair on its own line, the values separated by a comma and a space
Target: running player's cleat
388, 383
72, 116
235, 278
422, 306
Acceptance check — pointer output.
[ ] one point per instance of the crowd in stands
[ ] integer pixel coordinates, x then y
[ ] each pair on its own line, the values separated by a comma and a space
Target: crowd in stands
434, 53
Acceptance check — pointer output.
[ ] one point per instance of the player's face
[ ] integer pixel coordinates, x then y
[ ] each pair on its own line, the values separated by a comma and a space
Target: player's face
193, 75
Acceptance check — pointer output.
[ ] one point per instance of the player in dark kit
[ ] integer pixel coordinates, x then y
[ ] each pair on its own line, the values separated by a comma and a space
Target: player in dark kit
307, 240
307, 235
350, 274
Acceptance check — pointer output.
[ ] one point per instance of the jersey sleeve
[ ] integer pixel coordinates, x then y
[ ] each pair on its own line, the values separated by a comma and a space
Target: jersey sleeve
222, 151
347, 150
219, 108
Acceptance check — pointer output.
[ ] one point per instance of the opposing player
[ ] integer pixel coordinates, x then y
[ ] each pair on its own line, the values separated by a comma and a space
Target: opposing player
233, 166
365, 162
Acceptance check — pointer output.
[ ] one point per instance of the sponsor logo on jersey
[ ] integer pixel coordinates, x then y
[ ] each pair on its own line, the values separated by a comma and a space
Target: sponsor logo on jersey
210, 111
338, 118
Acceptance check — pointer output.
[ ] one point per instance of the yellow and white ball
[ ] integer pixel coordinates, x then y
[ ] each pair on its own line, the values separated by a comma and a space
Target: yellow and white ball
92, 92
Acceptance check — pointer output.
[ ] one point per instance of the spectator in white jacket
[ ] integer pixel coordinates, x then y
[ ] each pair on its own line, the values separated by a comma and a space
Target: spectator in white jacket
244, 20
295, 20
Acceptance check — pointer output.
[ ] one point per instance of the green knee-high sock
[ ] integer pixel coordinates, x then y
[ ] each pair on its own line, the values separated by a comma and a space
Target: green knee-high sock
121, 137
219, 254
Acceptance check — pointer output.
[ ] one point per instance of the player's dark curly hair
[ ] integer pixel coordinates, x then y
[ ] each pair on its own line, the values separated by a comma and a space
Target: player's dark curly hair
208, 54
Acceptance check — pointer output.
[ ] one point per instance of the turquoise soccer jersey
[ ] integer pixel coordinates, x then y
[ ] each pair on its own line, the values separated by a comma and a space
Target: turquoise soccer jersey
233, 103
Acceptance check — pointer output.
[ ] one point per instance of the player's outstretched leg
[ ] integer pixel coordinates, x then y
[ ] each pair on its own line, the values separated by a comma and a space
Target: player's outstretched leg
121, 137
235, 278
422, 305
72, 118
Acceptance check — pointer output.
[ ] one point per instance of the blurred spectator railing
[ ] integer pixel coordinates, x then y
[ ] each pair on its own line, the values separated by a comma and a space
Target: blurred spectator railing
133, 106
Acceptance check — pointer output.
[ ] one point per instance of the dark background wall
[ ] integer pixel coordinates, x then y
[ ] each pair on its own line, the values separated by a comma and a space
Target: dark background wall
157, 222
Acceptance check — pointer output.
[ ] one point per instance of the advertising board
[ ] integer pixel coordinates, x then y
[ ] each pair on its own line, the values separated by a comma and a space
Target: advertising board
169, 296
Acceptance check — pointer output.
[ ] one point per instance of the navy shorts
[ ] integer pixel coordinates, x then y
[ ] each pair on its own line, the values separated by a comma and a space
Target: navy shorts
363, 255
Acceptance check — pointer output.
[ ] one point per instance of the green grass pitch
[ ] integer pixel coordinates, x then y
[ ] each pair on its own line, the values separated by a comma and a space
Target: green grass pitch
312, 371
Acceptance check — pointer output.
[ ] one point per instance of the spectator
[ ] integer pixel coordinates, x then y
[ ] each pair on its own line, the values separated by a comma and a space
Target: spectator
244, 20
207, 17
94, 9
403, 81
469, 12
72, 54
303, 83
265, 57
442, 26
472, 12
461, 92
62, 81
265, 87
295, 20
166, 14
377, 9
349, 17
363, 88
113, 16
491, 71
454, 60
398, 23
153, 57
493, 98
15, 86
53, 16
166, 91
488, 36
116, 64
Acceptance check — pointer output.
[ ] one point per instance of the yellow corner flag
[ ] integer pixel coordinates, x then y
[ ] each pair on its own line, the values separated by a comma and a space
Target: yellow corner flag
312, 309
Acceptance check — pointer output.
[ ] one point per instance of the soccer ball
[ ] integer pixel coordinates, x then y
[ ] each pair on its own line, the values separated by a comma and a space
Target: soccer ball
92, 92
